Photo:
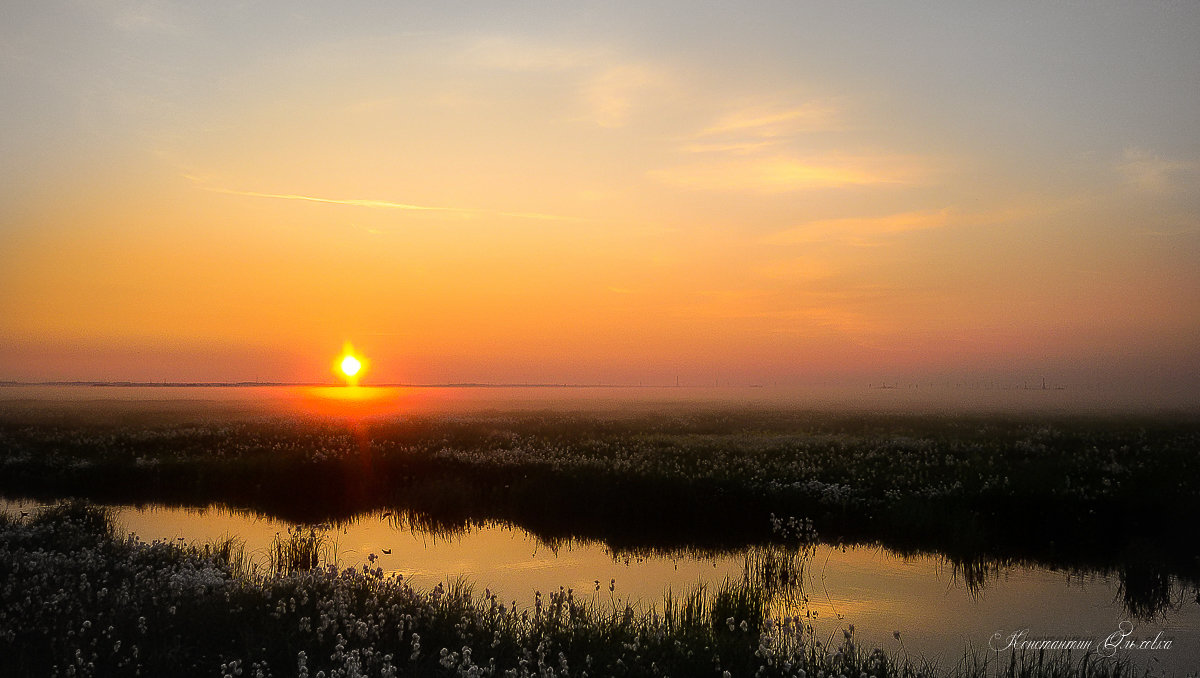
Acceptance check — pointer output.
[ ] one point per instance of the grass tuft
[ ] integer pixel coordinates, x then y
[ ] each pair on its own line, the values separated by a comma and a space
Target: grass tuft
300, 550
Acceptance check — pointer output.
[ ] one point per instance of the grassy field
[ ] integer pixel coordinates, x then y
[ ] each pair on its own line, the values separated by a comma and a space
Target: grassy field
79, 601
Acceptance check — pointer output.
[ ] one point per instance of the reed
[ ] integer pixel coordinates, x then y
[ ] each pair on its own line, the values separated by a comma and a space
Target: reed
302, 549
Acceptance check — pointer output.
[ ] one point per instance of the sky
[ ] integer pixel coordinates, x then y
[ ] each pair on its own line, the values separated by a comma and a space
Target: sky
616, 192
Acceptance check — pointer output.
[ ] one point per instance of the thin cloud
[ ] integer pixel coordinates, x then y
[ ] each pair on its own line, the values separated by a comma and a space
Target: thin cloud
814, 314
504, 53
388, 204
754, 129
615, 92
800, 269
786, 174
770, 123
861, 230
608, 87
754, 149
1148, 172
144, 17
736, 147
876, 231
1170, 232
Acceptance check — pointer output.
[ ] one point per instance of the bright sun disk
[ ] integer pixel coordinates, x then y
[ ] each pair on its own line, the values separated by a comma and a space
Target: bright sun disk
350, 365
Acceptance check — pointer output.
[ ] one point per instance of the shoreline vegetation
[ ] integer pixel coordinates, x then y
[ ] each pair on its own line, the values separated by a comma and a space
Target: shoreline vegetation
80, 601
1101, 493
1079, 493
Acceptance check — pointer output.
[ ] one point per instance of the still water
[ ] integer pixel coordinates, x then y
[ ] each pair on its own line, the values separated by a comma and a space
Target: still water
938, 610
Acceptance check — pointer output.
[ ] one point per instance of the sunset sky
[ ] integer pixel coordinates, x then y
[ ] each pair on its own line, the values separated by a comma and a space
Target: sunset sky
620, 192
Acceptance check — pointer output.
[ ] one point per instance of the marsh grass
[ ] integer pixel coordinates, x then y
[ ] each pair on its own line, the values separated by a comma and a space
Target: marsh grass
228, 553
1043, 664
302, 549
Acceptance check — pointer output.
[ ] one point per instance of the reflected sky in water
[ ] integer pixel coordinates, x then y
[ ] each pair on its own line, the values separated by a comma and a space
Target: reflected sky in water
926, 598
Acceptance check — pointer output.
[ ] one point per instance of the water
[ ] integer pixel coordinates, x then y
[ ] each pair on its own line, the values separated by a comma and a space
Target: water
938, 610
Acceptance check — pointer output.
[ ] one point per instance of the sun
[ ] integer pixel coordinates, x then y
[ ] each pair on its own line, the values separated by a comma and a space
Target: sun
350, 365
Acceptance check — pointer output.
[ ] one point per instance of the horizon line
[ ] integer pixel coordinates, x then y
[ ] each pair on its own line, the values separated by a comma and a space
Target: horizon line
239, 384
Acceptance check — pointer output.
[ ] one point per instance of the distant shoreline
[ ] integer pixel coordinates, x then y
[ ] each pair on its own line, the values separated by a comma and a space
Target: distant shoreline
251, 384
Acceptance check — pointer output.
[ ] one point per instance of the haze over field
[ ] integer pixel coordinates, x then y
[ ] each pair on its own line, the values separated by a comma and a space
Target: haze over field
780, 193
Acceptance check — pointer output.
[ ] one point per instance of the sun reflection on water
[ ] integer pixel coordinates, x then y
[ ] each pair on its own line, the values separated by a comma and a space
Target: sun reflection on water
354, 401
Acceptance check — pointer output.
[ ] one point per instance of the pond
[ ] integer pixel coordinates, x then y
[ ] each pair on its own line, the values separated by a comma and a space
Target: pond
923, 604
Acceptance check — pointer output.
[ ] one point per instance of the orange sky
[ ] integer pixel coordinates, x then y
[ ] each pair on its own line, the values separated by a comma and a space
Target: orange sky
583, 193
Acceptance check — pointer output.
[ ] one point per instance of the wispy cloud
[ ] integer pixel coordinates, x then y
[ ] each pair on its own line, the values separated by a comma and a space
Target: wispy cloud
387, 204
613, 93
736, 147
763, 122
784, 174
1149, 172
138, 16
766, 147
757, 128
875, 231
799, 269
505, 53
1171, 233
609, 86
863, 231
779, 311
